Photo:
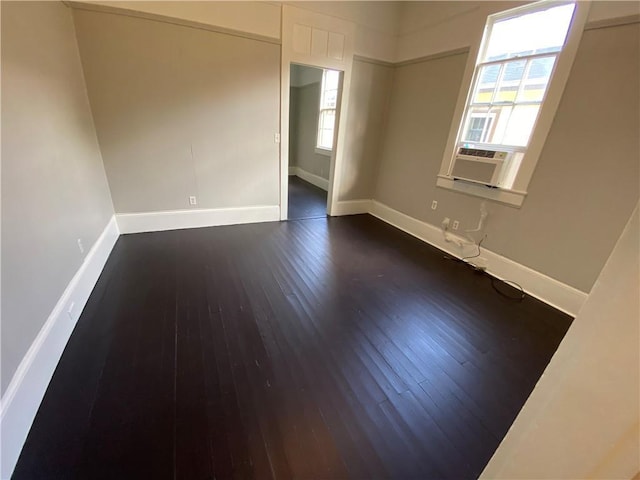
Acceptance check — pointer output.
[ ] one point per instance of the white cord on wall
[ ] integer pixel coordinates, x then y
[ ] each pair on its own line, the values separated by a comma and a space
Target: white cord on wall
483, 216
469, 240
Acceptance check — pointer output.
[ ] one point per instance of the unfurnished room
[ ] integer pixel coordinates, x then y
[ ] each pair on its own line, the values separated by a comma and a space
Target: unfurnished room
320, 240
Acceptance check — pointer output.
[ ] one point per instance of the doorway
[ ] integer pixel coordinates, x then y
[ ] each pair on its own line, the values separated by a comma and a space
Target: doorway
313, 112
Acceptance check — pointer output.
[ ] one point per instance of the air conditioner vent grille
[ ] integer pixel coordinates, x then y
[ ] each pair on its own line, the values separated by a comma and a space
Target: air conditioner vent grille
483, 153
477, 153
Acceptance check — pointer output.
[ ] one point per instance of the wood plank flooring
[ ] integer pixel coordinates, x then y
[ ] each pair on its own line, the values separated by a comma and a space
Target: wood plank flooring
305, 200
318, 349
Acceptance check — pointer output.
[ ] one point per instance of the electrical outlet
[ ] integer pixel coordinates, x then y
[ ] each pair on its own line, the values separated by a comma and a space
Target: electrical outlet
276, 138
81, 246
434, 205
456, 224
193, 201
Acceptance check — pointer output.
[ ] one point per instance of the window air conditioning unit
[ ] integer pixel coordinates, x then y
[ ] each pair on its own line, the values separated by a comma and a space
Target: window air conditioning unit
480, 165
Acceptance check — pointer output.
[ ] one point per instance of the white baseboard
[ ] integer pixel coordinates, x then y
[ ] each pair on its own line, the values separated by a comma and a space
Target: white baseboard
313, 179
178, 219
350, 207
22, 398
551, 291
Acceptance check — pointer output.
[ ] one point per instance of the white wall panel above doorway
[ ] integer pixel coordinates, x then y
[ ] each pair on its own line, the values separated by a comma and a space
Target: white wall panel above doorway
316, 39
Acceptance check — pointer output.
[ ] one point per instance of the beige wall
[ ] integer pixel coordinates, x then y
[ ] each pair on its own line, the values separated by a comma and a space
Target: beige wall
305, 130
368, 104
376, 21
586, 181
581, 421
385, 30
420, 112
180, 112
302, 75
54, 189
293, 125
257, 18
427, 27
608, 9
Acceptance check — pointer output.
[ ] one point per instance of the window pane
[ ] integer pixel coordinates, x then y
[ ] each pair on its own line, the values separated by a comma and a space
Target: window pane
328, 103
500, 115
486, 84
329, 119
510, 82
479, 126
493, 126
331, 78
501, 125
538, 32
329, 99
536, 79
520, 125
326, 139
325, 128
476, 129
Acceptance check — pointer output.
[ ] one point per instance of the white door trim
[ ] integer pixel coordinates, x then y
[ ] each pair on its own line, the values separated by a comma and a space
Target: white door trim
320, 41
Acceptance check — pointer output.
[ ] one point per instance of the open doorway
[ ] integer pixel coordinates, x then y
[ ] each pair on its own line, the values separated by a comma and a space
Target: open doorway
313, 111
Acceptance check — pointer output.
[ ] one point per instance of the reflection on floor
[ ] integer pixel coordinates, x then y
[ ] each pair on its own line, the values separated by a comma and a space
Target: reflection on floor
305, 200
329, 348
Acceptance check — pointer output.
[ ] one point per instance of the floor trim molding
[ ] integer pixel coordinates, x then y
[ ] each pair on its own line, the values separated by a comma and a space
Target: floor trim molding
179, 219
24, 394
312, 178
549, 290
351, 207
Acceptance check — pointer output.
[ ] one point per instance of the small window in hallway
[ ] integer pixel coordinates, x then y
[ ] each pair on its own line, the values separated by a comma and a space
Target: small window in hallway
328, 103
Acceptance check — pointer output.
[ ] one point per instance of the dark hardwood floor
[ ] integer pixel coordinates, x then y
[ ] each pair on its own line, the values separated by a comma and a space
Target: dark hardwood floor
305, 200
325, 348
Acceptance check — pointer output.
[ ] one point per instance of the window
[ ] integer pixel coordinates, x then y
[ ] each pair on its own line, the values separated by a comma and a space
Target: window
515, 68
512, 76
327, 116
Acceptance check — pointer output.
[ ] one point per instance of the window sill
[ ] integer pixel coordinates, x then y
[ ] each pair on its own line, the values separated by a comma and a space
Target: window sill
323, 151
513, 198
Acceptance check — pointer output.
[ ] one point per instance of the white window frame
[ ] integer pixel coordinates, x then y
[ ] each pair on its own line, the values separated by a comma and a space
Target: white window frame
322, 150
516, 194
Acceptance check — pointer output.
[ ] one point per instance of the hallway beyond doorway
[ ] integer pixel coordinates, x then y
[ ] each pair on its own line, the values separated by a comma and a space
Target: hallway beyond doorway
305, 200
